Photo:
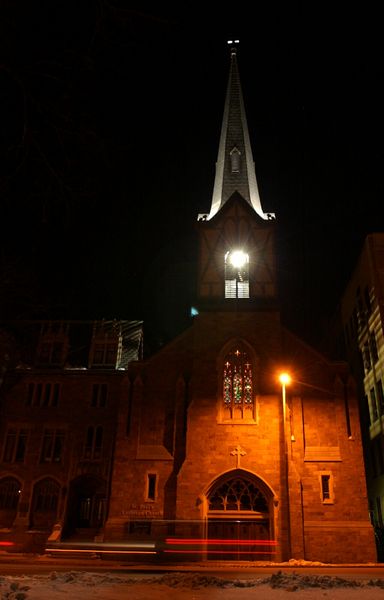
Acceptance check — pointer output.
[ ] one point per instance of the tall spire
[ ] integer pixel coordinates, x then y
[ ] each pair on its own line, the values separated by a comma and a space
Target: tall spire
235, 169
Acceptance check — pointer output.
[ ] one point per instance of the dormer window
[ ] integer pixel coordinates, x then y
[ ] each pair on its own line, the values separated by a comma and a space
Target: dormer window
106, 347
53, 344
236, 274
235, 160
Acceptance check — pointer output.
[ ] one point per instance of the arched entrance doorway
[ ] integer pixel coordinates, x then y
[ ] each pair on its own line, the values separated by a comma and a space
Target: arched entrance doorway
240, 518
10, 489
45, 501
86, 506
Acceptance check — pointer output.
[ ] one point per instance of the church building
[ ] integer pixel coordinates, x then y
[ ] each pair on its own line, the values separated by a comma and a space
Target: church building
217, 456
236, 440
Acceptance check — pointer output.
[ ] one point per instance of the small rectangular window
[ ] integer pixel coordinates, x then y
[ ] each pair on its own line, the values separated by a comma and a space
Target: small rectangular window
15, 445
93, 442
368, 412
379, 511
31, 390
47, 394
326, 488
52, 446
236, 274
51, 352
367, 358
10, 443
105, 353
43, 394
151, 492
380, 396
38, 393
367, 299
55, 394
21, 445
374, 412
373, 347
99, 395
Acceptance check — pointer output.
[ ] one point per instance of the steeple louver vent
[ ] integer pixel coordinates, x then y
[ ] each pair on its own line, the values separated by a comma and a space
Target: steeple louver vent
235, 160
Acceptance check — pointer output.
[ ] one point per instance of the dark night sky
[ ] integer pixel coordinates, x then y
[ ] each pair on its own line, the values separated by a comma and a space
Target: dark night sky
110, 120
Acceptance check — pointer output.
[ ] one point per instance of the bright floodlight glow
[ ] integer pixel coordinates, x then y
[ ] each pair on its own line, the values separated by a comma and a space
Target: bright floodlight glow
285, 378
238, 258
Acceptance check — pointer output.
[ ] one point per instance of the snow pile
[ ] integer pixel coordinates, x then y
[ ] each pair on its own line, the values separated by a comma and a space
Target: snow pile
293, 581
89, 579
290, 581
299, 562
15, 591
93, 586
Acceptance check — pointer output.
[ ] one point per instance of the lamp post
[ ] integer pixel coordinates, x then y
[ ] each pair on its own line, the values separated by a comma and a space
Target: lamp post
285, 379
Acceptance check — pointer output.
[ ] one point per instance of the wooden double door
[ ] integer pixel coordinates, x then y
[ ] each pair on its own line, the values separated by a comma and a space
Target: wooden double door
239, 539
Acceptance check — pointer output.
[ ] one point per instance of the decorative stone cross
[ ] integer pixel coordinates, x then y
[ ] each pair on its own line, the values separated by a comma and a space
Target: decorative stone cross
238, 452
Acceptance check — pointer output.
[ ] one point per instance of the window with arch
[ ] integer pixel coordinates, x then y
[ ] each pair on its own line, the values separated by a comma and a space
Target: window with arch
45, 501
237, 494
46, 495
236, 266
9, 493
237, 384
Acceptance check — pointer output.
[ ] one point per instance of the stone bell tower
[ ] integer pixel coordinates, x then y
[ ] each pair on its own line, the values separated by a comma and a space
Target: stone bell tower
237, 249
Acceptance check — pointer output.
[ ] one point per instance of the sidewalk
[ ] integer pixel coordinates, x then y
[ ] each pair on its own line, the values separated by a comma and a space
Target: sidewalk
113, 563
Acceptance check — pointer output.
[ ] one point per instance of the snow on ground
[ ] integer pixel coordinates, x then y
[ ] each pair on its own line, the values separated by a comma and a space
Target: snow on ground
83, 585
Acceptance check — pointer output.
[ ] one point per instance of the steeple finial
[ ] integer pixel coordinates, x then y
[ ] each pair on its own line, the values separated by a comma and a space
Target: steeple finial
233, 44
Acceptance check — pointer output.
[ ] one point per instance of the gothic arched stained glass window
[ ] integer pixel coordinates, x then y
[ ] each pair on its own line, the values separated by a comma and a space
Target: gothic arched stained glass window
237, 494
237, 380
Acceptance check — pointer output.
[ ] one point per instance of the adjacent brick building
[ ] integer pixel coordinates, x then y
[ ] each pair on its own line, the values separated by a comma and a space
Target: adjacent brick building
361, 317
59, 401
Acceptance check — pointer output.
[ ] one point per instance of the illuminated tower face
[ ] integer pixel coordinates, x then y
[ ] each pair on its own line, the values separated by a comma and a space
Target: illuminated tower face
237, 255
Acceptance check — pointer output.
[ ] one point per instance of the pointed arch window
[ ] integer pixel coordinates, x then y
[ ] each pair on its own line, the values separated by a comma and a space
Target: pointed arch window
237, 383
236, 274
237, 494
235, 160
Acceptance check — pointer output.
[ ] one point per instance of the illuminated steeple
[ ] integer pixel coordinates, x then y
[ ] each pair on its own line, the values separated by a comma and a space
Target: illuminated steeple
235, 169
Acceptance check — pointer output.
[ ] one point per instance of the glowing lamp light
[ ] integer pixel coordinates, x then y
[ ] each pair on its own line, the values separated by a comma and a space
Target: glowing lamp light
238, 259
285, 378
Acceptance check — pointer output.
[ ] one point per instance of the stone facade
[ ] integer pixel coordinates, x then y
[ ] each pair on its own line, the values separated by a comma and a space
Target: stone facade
307, 477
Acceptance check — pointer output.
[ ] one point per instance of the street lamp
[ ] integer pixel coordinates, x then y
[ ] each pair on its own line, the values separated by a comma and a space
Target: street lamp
285, 379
